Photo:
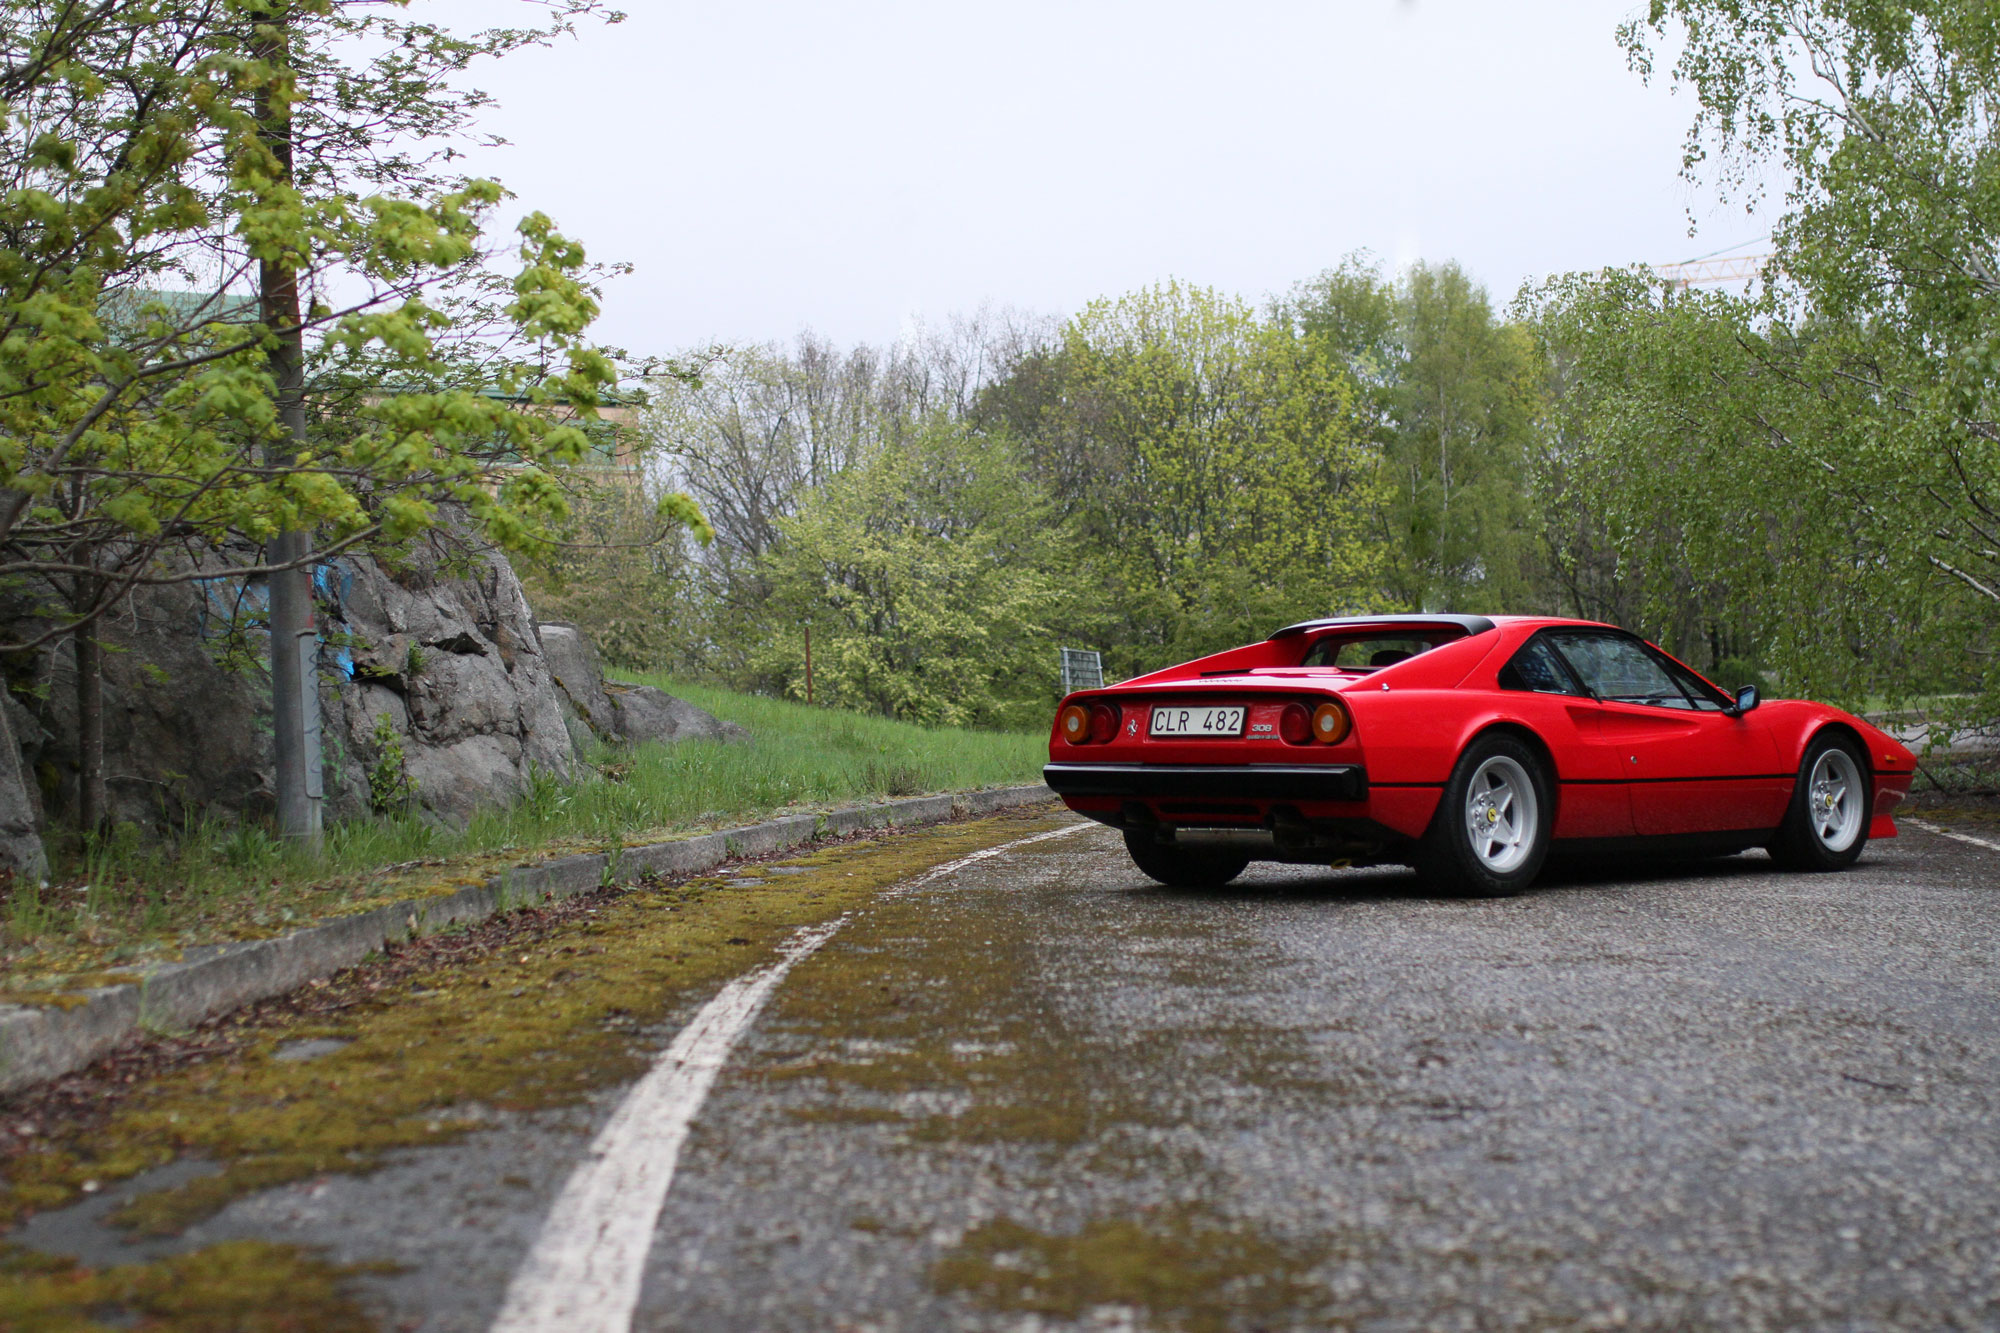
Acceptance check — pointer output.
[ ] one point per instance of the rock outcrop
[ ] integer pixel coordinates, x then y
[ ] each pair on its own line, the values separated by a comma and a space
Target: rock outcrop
437, 656
21, 850
617, 712
452, 659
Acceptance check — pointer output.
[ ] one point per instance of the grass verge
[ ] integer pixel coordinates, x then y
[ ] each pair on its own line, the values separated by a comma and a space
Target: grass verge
120, 900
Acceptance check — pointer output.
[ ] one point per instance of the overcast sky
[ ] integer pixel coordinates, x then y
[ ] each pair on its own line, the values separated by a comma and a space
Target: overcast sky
770, 166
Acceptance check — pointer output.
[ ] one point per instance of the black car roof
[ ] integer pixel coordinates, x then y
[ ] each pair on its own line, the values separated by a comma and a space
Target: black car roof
1470, 624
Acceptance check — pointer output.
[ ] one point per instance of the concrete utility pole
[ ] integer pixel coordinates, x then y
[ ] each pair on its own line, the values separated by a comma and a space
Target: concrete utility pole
294, 639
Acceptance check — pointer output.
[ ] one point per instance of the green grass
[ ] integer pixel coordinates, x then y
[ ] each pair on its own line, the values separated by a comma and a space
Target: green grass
820, 754
122, 898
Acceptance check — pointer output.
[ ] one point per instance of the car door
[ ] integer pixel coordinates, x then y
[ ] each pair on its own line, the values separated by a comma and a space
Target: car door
1690, 765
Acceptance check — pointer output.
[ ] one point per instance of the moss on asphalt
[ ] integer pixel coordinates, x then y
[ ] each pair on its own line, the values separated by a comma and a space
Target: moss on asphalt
1183, 1268
239, 1287
952, 1040
524, 1031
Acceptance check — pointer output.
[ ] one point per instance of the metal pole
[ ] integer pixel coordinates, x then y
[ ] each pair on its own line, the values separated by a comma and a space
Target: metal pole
296, 774
809, 661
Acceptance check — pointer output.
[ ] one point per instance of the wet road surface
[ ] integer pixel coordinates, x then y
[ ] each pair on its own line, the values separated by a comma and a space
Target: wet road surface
1045, 1093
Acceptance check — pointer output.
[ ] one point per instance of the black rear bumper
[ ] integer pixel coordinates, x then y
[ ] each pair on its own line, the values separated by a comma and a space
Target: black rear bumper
1213, 782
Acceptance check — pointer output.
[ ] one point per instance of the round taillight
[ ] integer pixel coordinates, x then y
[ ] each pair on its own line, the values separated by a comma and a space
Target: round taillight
1074, 723
1295, 724
1103, 723
1330, 723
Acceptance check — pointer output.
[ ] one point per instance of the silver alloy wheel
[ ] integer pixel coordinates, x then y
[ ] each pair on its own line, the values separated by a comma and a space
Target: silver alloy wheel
1835, 795
1501, 815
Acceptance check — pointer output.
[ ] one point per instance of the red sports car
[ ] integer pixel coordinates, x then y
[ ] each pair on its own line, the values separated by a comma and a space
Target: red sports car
1469, 747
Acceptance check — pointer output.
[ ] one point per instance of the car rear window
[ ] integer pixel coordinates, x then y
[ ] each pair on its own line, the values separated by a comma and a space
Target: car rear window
1372, 652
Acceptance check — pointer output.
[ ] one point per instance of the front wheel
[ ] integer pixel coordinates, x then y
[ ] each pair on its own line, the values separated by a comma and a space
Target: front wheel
1490, 834
1183, 867
1826, 825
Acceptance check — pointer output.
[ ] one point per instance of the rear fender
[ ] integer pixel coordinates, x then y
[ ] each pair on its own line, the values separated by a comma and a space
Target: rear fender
1264, 653
1416, 736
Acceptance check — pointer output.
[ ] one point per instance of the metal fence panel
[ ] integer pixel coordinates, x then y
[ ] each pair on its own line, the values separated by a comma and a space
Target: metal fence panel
1082, 669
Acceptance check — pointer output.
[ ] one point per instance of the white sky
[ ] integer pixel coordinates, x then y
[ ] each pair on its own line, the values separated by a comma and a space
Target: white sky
771, 165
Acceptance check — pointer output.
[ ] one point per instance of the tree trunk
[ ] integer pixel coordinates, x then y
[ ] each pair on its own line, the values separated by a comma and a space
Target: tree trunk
92, 806
294, 641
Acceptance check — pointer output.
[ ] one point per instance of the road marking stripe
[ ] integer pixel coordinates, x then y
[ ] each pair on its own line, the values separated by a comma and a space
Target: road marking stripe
583, 1274
1929, 827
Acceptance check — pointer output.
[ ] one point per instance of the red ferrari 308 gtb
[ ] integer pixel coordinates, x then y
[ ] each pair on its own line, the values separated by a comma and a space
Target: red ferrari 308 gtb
1469, 747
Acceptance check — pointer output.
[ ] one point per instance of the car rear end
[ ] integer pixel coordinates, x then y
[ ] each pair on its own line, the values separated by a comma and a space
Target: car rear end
1268, 747
1272, 766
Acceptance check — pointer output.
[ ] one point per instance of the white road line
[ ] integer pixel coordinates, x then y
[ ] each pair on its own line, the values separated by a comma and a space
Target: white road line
1929, 827
583, 1274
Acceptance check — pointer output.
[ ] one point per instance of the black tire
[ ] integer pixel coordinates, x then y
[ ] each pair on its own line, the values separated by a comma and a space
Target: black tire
1447, 858
1183, 867
1804, 841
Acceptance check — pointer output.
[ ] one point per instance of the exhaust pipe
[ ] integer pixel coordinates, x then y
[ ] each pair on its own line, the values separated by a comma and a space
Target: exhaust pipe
1251, 840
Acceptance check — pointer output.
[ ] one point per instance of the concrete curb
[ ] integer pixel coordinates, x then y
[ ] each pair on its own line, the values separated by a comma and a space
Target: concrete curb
43, 1042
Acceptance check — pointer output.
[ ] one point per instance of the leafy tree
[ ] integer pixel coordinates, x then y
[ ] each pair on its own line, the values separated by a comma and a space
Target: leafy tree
1353, 310
761, 428
1852, 407
141, 158
1218, 467
1450, 392
244, 295
931, 577
619, 576
1695, 441
1463, 409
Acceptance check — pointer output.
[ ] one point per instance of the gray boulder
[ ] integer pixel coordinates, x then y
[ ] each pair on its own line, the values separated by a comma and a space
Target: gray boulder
645, 713
579, 676
616, 712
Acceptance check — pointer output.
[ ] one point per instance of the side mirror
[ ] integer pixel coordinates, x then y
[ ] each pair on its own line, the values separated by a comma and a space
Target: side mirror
1746, 701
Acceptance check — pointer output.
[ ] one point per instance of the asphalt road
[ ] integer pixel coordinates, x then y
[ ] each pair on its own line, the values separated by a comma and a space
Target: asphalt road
1044, 1093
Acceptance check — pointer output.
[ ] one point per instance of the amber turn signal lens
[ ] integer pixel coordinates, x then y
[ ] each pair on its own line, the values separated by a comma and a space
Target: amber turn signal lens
1331, 724
1295, 724
1103, 723
1075, 724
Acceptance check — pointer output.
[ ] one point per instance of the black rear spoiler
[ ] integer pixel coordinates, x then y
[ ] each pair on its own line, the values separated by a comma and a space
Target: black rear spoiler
1470, 624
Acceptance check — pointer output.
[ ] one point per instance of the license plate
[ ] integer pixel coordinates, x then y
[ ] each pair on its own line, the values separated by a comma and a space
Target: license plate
1198, 721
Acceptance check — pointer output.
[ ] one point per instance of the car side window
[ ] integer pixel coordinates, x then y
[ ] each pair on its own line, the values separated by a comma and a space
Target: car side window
1536, 668
1618, 668
1700, 694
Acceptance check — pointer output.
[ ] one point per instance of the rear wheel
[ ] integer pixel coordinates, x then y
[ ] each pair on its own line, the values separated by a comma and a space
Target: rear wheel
1183, 867
1826, 825
1490, 834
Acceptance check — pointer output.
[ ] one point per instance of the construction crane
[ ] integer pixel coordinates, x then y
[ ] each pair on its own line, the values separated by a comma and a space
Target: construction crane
1702, 272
